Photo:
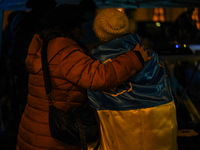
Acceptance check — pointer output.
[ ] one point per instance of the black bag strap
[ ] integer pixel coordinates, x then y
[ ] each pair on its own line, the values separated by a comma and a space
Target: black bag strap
45, 68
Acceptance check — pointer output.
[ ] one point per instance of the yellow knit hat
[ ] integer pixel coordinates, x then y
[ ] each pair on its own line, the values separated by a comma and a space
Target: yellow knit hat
110, 23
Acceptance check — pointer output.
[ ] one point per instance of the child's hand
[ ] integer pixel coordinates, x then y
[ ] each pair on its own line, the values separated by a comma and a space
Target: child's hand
143, 52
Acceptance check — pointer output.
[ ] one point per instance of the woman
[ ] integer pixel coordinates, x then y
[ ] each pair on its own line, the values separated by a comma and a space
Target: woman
72, 73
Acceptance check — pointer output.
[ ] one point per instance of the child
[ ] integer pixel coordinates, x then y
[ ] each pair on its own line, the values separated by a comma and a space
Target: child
140, 113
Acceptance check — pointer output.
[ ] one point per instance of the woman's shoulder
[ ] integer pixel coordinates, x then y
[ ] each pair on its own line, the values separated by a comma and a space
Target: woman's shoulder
61, 43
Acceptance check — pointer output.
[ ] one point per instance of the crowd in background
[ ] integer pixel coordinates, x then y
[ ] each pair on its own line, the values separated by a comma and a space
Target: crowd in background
16, 39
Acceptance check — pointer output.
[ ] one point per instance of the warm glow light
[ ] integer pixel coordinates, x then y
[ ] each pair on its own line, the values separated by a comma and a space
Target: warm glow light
158, 24
195, 16
158, 15
121, 9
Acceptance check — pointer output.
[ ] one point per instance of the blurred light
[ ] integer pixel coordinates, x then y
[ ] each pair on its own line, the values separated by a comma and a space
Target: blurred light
121, 9
158, 15
176, 46
184, 45
194, 47
158, 24
195, 17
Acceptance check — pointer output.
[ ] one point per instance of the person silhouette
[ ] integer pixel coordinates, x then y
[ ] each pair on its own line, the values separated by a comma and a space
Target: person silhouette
23, 27
133, 114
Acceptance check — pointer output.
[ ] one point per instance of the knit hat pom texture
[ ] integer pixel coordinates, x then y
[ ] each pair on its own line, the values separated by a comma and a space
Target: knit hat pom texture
110, 23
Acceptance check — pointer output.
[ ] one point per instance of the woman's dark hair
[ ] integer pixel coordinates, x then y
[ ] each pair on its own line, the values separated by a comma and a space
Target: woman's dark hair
63, 21
76, 34
73, 33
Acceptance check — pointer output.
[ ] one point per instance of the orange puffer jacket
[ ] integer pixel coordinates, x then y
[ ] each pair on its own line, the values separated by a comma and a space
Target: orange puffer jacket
72, 72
